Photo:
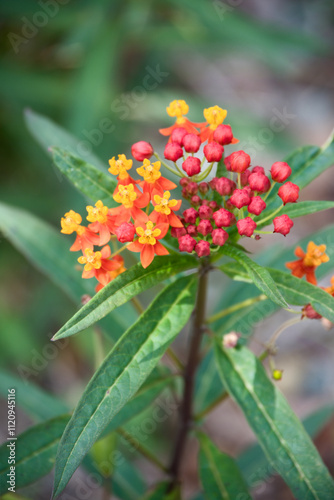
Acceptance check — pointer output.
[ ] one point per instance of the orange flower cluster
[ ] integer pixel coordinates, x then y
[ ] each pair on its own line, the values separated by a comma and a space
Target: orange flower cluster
128, 223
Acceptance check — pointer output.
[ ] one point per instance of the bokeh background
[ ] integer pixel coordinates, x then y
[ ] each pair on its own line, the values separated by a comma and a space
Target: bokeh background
85, 64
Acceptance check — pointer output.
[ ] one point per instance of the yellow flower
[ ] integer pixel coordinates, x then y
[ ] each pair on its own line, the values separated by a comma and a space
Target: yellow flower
92, 260
97, 214
163, 205
315, 255
119, 167
178, 108
71, 222
148, 236
125, 195
214, 116
150, 171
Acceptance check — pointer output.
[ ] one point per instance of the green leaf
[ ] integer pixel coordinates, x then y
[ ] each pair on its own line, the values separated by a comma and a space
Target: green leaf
123, 372
90, 181
220, 476
35, 453
258, 274
161, 492
123, 288
278, 430
48, 134
37, 403
298, 209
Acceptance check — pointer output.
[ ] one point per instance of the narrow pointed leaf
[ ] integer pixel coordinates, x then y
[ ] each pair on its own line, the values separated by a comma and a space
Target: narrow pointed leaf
122, 373
258, 274
123, 288
278, 430
90, 181
47, 134
35, 453
219, 473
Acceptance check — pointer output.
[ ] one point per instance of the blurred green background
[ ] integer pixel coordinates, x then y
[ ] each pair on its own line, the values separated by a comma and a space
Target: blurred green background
105, 71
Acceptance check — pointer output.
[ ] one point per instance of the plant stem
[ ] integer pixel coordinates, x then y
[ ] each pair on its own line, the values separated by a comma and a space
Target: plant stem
167, 166
235, 307
186, 409
144, 451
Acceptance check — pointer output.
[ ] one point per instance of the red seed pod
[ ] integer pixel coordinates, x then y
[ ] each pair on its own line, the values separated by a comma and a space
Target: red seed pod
192, 166
173, 151
195, 200
289, 192
240, 198
141, 150
184, 181
225, 186
259, 182
244, 177
125, 232
190, 215
192, 230
205, 212
219, 237
186, 243
258, 170
257, 205
310, 313
282, 224
203, 187
280, 171
178, 135
223, 134
223, 218
202, 248
246, 227
204, 227
176, 232
239, 161
213, 152
191, 143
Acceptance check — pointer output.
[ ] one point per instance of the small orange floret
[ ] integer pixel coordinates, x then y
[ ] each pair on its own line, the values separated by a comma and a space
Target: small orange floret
71, 222
330, 289
119, 167
150, 171
126, 195
91, 259
179, 108
308, 262
98, 213
147, 243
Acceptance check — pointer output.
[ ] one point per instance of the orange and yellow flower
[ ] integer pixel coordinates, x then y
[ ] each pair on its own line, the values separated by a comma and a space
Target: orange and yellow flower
164, 209
147, 243
178, 109
85, 237
153, 180
100, 265
308, 262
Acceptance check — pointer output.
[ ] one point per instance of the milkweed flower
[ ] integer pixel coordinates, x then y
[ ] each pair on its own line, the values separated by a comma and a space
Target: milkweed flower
101, 221
308, 262
164, 209
153, 179
178, 109
100, 265
120, 168
85, 237
147, 243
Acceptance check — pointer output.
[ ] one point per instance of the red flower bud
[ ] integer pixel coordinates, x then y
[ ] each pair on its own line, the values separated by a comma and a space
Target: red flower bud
202, 248
190, 215
184, 181
224, 186
204, 227
310, 313
191, 143
282, 224
192, 187
213, 204
192, 230
244, 177
192, 166
219, 237
288, 193
186, 243
258, 170
246, 227
240, 198
256, 206
203, 187
223, 134
213, 183
227, 162
259, 182
176, 232
125, 232
213, 152
141, 150
196, 200
178, 135
173, 151
239, 161
205, 212
223, 218
280, 171
185, 193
